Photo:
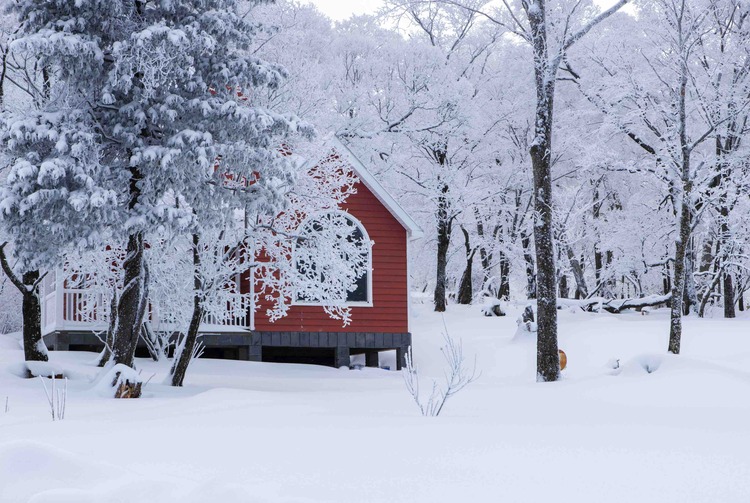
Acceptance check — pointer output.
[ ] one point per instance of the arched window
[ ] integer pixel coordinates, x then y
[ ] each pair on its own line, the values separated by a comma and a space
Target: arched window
334, 251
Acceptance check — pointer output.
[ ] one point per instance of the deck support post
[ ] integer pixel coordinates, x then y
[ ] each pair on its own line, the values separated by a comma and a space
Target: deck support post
341, 358
255, 353
61, 342
243, 353
371, 359
401, 357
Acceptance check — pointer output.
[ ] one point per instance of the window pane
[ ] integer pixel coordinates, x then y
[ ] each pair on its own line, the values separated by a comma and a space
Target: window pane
360, 293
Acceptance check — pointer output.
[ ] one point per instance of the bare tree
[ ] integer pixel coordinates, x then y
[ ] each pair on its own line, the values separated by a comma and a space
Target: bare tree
457, 376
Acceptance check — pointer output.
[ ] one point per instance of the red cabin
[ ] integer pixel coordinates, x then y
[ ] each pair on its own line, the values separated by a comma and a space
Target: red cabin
379, 304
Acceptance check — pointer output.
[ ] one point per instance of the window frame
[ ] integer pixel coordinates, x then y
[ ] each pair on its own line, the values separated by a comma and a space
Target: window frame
366, 237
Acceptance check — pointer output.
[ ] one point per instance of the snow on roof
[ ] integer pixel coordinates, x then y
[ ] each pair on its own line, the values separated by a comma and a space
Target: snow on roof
368, 179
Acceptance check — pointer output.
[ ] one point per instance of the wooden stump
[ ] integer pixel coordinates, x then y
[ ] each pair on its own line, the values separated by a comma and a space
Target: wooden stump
126, 389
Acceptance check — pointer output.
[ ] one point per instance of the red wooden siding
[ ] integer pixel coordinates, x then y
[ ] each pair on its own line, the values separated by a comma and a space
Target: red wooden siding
389, 313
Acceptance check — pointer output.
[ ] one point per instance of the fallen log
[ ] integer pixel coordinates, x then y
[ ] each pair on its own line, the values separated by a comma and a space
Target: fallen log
615, 306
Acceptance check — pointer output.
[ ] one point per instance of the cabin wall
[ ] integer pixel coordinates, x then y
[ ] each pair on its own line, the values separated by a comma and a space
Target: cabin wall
389, 312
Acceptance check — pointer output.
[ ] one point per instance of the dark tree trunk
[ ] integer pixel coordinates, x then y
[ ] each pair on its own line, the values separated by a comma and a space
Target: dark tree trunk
504, 291
707, 293
740, 297
548, 361
443, 243
564, 290
133, 299
545, 72
678, 283
485, 257
131, 308
3, 72
690, 300
684, 219
46, 83
528, 259
34, 349
707, 256
465, 288
728, 296
547, 357
604, 282
728, 280
582, 290
182, 361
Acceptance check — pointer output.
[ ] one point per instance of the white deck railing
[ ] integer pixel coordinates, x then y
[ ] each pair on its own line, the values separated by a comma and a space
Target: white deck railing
82, 309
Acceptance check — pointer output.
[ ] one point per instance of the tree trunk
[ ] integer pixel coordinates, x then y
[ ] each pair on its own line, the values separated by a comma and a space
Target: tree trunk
34, 349
547, 362
528, 259
485, 257
110, 340
582, 290
678, 283
740, 296
545, 76
182, 361
685, 186
564, 290
465, 289
547, 357
131, 308
690, 300
504, 291
133, 299
728, 296
3, 73
443, 243
604, 282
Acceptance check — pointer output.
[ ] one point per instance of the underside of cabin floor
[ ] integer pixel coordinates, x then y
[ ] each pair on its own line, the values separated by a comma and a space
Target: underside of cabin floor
319, 348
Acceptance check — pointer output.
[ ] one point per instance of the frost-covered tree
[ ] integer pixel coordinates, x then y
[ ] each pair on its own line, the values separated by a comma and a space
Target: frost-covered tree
681, 98
550, 30
309, 251
160, 90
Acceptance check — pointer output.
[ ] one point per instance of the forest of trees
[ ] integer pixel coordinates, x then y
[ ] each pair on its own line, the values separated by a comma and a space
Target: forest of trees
645, 190
635, 188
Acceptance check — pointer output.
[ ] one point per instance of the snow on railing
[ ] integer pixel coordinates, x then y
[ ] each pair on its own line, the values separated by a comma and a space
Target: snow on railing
81, 308
238, 315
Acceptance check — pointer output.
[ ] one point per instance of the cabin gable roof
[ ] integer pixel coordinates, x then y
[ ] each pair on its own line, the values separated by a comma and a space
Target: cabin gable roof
368, 179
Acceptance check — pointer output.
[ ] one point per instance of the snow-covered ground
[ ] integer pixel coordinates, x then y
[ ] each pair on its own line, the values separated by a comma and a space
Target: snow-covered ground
255, 432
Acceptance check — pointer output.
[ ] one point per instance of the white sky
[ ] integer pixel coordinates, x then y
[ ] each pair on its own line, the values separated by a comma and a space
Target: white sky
343, 9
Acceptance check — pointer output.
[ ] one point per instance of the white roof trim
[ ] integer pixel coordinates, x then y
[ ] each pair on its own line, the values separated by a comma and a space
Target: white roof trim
413, 230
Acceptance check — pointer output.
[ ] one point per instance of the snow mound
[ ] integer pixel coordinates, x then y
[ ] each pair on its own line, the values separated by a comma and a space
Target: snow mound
18, 370
30, 468
105, 384
11, 341
526, 331
45, 369
646, 363
494, 307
